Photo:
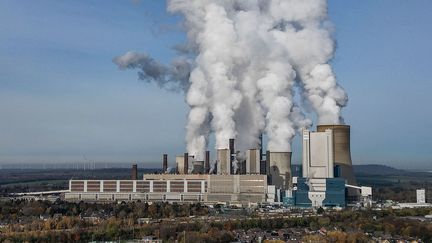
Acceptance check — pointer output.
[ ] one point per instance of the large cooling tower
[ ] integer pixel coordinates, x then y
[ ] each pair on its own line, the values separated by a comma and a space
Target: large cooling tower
280, 169
198, 167
342, 153
253, 161
180, 164
223, 161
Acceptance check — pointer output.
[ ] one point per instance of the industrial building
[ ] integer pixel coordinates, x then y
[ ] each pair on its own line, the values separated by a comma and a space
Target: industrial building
207, 188
421, 195
325, 177
326, 170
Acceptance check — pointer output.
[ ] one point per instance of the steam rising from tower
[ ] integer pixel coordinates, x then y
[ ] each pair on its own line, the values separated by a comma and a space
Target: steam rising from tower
249, 57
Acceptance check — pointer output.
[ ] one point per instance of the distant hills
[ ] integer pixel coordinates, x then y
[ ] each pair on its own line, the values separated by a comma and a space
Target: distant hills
374, 169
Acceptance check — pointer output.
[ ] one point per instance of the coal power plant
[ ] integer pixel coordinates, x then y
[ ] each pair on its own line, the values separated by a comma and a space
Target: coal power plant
325, 177
248, 70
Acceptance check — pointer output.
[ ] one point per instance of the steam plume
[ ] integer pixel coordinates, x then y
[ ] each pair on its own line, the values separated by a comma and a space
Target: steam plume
248, 58
174, 77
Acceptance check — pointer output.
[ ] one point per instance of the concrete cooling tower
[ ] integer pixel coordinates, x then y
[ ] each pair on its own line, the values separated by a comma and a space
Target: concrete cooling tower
280, 169
342, 153
223, 162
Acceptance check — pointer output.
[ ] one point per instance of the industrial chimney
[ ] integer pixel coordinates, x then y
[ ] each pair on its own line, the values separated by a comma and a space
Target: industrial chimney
342, 153
232, 155
134, 175
165, 163
261, 147
186, 163
207, 162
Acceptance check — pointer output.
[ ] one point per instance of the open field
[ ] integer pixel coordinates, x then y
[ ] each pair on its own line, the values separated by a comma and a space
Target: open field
15, 180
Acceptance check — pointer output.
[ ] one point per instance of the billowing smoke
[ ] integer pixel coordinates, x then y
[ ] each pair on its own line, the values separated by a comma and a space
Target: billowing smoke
174, 77
235, 165
249, 59
213, 165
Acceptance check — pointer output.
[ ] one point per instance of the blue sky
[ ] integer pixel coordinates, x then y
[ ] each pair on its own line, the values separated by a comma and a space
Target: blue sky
62, 98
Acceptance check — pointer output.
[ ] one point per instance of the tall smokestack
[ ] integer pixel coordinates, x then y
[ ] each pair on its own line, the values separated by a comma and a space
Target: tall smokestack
186, 163
134, 175
342, 153
261, 146
232, 154
207, 162
165, 163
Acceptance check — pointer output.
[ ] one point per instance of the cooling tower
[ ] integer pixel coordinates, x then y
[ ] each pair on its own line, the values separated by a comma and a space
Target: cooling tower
198, 167
280, 169
180, 164
223, 161
253, 161
342, 153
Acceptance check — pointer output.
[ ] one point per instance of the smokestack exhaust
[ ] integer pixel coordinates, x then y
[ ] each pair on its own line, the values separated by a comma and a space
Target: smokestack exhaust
165, 163
186, 163
217, 107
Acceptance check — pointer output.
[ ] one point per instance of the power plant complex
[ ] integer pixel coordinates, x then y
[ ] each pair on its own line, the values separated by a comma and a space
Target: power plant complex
241, 83
325, 177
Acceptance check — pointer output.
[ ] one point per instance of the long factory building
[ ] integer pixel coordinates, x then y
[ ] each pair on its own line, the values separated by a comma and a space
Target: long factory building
174, 188
325, 177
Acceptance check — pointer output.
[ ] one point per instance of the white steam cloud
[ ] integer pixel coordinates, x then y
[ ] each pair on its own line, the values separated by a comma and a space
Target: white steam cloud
174, 77
249, 57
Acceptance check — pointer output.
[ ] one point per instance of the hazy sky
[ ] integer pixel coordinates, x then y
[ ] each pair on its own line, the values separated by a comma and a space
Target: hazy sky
62, 98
